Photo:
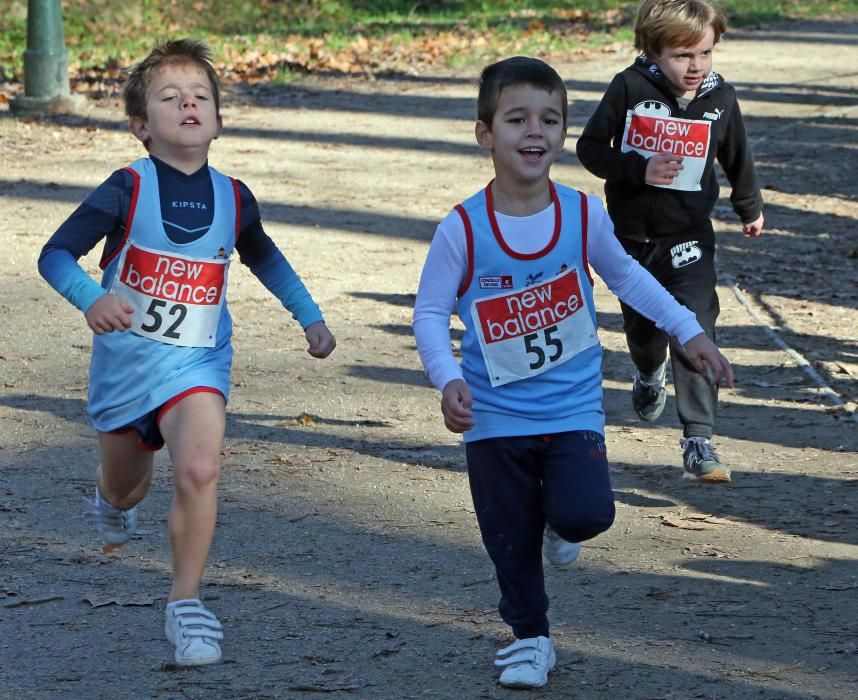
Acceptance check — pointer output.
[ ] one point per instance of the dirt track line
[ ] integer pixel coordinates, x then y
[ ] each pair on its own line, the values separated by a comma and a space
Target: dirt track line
799, 359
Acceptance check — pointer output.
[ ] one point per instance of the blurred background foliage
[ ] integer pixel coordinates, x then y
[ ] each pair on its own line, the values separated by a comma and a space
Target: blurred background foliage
275, 39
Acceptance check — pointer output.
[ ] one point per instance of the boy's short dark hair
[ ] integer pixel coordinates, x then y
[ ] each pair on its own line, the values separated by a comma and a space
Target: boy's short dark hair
664, 24
175, 52
519, 70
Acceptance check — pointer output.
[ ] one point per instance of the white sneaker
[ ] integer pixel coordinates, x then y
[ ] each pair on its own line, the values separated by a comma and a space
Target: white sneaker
194, 631
115, 525
527, 661
557, 550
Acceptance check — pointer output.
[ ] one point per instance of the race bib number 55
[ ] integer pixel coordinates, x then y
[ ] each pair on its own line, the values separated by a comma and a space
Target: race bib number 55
176, 299
527, 332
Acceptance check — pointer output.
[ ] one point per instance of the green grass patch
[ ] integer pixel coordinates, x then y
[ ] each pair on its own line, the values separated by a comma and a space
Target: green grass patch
105, 33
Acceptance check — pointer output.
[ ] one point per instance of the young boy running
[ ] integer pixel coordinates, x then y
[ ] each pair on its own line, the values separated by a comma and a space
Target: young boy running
654, 139
161, 357
512, 260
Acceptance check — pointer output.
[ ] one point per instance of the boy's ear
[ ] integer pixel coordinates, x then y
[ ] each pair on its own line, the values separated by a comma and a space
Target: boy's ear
484, 135
137, 126
219, 126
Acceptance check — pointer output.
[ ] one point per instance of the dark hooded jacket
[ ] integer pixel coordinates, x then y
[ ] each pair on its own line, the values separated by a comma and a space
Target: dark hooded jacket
640, 211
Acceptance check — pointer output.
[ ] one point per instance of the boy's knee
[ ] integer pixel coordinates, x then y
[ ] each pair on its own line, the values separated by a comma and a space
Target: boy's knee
584, 525
197, 474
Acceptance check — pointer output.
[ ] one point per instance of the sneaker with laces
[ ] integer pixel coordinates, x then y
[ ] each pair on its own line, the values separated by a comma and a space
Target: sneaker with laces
701, 462
649, 394
557, 550
194, 631
115, 525
526, 662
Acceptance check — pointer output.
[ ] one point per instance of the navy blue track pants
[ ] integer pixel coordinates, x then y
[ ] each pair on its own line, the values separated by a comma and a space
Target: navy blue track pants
520, 483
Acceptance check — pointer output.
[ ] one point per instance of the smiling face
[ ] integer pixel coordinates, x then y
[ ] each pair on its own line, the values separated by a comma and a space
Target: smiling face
181, 116
526, 135
686, 67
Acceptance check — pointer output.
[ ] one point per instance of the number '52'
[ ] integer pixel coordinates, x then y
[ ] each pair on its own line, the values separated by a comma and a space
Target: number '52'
178, 310
532, 348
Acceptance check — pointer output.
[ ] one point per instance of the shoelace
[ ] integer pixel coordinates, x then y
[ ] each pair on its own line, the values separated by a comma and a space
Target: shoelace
703, 451
652, 390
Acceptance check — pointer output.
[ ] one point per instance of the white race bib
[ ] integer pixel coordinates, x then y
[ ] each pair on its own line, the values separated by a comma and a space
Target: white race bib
176, 299
689, 138
529, 331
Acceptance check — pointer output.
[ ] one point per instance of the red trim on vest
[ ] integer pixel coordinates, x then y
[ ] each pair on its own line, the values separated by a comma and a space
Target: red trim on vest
585, 218
237, 208
469, 241
135, 193
178, 397
499, 236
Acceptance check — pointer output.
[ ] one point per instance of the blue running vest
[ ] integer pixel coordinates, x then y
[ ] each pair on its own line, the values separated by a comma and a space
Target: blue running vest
530, 354
131, 375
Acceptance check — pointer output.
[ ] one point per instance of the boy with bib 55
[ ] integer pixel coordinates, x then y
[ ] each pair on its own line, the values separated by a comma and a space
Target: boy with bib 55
654, 139
162, 353
513, 262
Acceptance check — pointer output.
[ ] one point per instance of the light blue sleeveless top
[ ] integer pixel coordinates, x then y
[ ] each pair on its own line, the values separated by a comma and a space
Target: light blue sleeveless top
550, 398
131, 375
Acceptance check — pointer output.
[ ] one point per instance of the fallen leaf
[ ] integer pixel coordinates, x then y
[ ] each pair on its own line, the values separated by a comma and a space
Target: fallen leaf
684, 523
98, 601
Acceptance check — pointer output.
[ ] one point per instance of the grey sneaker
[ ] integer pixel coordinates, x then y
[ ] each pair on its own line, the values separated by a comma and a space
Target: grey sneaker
194, 631
526, 663
115, 525
649, 394
701, 462
557, 550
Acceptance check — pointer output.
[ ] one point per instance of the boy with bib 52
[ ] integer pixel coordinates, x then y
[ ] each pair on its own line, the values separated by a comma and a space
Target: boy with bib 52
513, 261
654, 138
162, 353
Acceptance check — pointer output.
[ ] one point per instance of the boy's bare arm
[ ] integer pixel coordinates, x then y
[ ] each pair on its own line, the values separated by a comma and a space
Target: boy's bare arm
707, 359
109, 313
456, 406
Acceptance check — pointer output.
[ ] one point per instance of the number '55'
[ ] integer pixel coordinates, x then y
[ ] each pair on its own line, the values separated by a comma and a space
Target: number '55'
532, 346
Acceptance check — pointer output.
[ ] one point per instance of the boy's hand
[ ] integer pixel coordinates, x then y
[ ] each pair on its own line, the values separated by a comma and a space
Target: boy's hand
753, 229
456, 406
321, 340
109, 313
662, 168
708, 360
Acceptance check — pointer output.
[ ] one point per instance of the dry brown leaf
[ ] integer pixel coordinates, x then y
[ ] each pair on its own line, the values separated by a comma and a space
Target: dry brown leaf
98, 601
305, 419
684, 523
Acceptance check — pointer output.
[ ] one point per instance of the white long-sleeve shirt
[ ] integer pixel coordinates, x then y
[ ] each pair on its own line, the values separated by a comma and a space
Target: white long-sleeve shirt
447, 264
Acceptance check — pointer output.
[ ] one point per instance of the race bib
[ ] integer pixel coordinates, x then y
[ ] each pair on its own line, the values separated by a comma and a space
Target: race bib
529, 331
689, 138
176, 299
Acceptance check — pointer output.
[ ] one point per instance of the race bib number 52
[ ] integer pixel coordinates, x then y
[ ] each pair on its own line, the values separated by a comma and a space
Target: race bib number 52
527, 332
176, 300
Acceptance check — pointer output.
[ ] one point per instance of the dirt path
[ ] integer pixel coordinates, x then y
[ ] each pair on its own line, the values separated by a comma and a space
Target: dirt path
347, 561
